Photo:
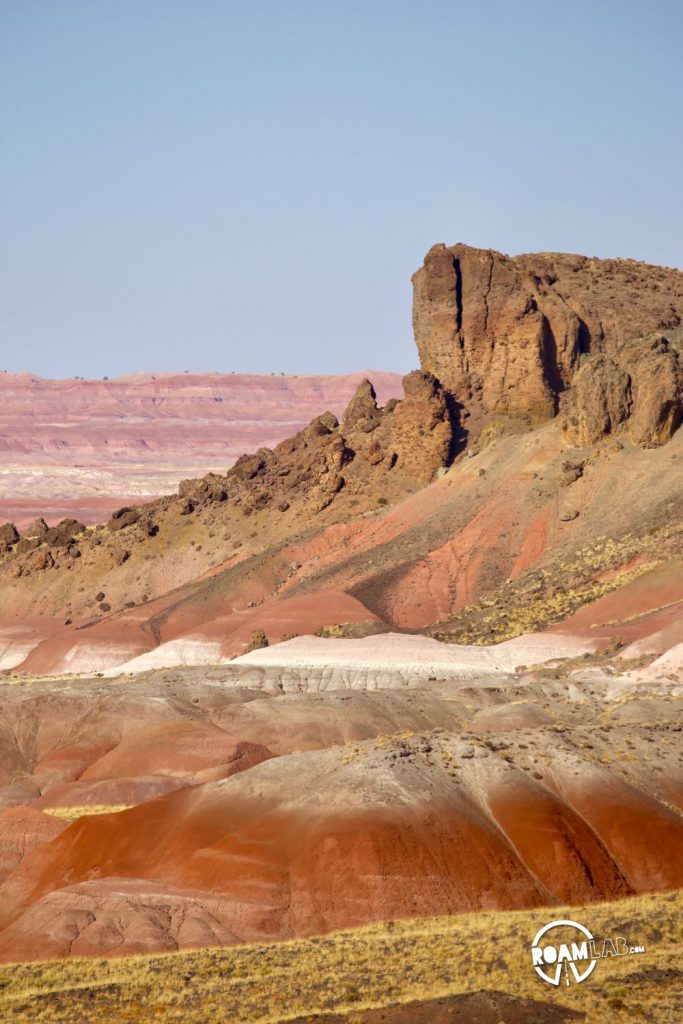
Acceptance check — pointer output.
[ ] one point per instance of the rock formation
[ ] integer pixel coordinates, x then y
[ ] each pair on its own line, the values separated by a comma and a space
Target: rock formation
8, 536
530, 336
639, 386
589, 348
83, 448
325, 473
372, 450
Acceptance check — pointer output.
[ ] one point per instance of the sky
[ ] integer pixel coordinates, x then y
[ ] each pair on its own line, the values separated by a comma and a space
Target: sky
214, 185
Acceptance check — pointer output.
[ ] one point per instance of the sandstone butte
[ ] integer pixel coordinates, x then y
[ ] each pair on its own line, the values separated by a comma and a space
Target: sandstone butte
489, 716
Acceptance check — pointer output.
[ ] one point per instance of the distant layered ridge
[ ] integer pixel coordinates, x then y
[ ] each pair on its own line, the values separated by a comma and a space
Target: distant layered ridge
84, 447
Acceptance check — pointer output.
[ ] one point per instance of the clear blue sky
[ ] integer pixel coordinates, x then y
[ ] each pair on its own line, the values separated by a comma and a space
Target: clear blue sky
249, 186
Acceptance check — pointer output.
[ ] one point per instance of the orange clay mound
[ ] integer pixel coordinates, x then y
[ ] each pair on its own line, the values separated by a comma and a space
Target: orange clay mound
440, 820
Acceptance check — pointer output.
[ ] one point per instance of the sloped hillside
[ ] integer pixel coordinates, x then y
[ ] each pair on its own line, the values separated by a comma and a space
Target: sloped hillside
457, 509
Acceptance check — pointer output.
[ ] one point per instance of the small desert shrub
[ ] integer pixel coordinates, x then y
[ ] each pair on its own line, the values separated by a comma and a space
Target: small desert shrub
258, 640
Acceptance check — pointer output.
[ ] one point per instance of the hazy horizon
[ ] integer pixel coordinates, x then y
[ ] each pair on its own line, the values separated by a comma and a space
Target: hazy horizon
213, 188
157, 374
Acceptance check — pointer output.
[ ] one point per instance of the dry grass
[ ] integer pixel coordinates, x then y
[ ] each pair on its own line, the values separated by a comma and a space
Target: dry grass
72, 813
373, 966
545, 596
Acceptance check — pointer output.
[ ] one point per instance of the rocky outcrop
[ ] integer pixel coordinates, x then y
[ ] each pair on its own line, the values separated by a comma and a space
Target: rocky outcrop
362, 409
63, 533
201, 492
9, 535
108, 443
37, 529
533, 335
374, 452
421, 428
639, 387
513, 339
325, 473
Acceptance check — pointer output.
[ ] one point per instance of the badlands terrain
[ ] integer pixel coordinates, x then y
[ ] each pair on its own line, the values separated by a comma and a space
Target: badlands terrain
423, 657
267, 799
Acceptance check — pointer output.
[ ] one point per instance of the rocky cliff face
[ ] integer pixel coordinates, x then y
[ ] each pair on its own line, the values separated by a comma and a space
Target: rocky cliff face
531, 336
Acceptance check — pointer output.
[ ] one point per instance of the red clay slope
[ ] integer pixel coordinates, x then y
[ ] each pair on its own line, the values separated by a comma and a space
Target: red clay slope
493, 518
315, 841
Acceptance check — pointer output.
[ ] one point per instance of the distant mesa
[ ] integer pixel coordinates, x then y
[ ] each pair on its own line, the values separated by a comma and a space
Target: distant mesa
82, 449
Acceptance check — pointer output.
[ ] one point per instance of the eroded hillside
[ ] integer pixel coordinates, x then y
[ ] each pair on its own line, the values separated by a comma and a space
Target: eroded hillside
192, 768
537, 471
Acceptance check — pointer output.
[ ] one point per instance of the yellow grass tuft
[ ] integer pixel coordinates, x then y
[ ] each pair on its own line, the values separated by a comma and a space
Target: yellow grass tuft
72, 813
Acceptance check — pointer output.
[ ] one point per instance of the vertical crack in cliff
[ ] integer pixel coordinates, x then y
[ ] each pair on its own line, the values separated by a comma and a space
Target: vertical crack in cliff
550, 366
458, 317
584, 337
458, 296
487, 292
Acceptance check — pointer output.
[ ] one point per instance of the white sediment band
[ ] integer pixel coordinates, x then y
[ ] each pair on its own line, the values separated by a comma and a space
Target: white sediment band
406, 653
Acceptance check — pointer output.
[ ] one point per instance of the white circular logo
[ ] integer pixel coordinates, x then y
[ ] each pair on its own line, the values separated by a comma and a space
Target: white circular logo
553, 959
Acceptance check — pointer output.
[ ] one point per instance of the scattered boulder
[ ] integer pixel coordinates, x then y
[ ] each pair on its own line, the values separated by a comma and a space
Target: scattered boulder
38, 528
41, 560
9, 535
375, 453
26, 544
320, 426
122, 518
571, 471
249, 466
64, 532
